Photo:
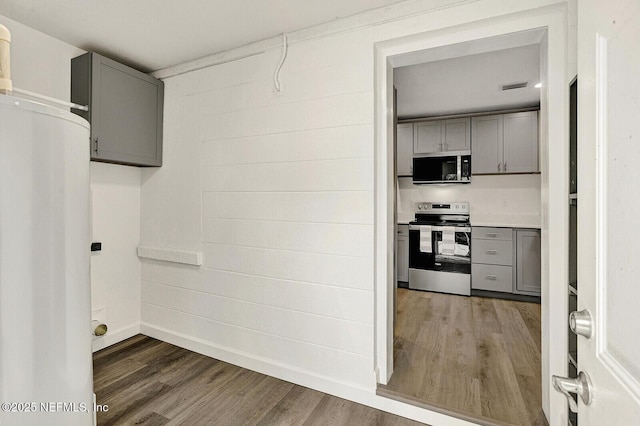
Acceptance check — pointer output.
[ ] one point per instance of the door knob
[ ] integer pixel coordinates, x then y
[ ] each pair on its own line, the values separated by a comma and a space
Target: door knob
581, 386
581, 323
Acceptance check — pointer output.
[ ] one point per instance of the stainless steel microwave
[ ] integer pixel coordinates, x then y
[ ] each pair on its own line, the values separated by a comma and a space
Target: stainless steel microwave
443, 167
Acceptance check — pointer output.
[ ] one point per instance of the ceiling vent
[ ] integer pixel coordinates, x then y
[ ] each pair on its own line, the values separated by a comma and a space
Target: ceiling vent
514, 86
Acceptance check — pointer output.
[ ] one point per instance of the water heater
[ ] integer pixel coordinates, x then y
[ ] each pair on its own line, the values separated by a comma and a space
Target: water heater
45, 307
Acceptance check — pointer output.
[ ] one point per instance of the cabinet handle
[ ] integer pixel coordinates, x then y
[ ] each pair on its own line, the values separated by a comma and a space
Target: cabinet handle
505, 166
96, 146
491, 277
492, 252
499, 166
492, 235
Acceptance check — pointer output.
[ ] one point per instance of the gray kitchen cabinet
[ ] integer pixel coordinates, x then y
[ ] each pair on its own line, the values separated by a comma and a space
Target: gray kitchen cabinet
492, 259
505, 143
506, 260
402, 253
486, 144
521, 142
427, 137
528, 276
125, 110
442, 135
404, 149
456, 134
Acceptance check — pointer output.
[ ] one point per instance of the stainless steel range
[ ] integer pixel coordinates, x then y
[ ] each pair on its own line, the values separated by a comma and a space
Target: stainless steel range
440, 248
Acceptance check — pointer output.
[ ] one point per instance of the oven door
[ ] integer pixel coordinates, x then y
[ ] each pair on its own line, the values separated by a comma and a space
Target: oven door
445, 256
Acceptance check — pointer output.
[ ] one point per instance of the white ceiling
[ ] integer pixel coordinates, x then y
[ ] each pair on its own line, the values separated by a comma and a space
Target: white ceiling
469, 83
151, 35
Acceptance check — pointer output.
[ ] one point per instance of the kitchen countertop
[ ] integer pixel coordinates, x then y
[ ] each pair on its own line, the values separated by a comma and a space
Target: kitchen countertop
405, 217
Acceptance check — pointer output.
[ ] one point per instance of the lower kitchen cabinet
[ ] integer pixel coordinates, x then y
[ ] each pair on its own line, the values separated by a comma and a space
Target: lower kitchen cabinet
506, 260
402, 253
528, 262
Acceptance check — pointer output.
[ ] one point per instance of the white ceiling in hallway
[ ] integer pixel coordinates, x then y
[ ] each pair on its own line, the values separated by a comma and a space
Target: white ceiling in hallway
151, 34
469, 83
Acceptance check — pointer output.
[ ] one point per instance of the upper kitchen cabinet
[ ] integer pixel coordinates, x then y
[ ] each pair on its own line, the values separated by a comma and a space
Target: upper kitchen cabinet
505, 143
125, 110
404, 149
442, 136
427, 137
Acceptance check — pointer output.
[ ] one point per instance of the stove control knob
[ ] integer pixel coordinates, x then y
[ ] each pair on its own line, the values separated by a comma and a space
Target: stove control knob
419, 206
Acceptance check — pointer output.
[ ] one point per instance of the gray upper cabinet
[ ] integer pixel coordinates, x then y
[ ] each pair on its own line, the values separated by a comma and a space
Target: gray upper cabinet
486, 144
125, 110
427, 137
404, 149
442, 135
456, 134
528, 275
521, 142
505, 143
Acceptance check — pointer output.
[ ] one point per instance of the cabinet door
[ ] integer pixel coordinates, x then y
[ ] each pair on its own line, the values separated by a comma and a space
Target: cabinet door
427, 137
521, 142
404, 149
126, 115
402, 253
456, 134
492, 278
528, 276
486, 144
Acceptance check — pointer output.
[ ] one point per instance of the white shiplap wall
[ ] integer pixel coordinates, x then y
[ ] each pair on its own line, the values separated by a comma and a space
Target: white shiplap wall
277, 191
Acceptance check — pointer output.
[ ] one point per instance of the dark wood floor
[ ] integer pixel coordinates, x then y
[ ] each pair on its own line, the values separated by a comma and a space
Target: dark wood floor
472, 355
148, 382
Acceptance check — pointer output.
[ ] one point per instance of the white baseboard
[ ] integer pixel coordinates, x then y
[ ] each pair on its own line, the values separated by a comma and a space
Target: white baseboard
352, 392
113, 337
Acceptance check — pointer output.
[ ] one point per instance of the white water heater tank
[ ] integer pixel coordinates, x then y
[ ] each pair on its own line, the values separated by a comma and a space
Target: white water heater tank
45, 293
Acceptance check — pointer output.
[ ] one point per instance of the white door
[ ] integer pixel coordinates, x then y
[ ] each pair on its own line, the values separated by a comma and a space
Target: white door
608, 204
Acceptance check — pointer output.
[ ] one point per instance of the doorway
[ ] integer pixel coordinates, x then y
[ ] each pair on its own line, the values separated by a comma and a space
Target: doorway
476, 38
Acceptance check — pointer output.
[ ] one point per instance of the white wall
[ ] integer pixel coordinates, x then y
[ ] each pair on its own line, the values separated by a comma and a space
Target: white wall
41, 64
512, 199
277, 190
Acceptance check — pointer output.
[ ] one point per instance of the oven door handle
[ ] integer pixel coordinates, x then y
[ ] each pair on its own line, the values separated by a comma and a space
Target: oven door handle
441, 228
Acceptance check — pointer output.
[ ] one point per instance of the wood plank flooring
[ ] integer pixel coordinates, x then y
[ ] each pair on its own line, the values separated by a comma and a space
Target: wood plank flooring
473, 355
148, 382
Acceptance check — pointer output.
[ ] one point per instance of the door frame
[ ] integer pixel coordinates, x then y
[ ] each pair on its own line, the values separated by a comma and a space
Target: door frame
554, 159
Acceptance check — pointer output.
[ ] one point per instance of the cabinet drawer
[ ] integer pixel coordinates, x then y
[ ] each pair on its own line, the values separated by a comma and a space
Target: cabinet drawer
403, 230
492, 252
492, 278
485, 233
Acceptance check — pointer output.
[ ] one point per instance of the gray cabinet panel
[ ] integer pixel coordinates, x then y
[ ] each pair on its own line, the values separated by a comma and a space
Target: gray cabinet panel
492, 278
427, 137
125, 110
492, 252
487, 233
456, 134
521, 142
528, 276
404, 149
403, 258
486, 144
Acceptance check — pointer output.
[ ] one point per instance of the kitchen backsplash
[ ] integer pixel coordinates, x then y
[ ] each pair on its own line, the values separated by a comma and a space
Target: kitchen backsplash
488, 195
